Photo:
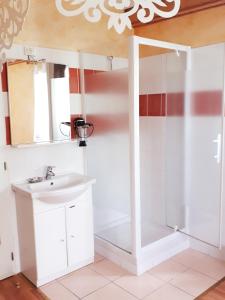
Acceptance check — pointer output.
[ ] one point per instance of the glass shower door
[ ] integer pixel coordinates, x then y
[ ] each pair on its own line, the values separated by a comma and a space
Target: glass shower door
203, 145
174, 167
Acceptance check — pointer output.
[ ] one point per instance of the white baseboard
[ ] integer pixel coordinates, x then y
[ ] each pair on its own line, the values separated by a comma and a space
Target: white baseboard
116, 255
150, 256
159, 251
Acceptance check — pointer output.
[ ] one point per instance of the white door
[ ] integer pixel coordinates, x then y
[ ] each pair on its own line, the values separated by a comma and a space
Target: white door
6, 232
80, 237
51, 242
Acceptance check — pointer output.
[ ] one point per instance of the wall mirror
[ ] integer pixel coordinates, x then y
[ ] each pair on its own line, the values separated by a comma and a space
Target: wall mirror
39, 102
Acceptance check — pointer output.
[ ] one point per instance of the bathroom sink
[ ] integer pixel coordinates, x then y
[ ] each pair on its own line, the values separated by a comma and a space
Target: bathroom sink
58, 189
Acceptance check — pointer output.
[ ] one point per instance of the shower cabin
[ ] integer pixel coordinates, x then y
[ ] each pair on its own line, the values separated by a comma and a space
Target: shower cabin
157, 153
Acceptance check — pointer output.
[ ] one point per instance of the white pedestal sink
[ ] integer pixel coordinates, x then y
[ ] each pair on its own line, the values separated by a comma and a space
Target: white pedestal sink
58, 189
55, 226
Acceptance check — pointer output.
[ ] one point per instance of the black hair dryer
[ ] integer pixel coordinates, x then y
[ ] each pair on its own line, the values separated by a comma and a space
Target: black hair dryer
83, 130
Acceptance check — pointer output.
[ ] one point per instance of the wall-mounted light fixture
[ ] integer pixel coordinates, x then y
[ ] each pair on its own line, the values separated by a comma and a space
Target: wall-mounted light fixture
119, 11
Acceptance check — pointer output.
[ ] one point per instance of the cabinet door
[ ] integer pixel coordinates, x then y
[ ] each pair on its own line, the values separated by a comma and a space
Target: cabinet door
80, 231
51, 242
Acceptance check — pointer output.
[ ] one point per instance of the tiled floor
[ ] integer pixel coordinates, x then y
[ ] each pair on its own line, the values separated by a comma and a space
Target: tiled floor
184, 277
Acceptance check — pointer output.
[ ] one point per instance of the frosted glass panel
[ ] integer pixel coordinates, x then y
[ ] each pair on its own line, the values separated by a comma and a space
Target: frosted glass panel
107, 107
203, 144
175, 74
162, 130
152, 121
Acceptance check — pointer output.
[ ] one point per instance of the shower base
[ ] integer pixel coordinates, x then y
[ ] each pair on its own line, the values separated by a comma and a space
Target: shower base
120, 235
154, 253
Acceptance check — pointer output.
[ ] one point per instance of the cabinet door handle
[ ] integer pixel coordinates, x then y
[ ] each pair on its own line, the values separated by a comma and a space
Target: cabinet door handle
62, 240
72, 236
72, 206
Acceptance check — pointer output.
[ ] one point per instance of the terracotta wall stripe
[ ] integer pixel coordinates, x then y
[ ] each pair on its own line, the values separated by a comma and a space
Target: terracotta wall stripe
8, 132
109, 123
208, 103
156, 105
204, 103
74, 77
175, 104
152, 105
143, 105
4, 78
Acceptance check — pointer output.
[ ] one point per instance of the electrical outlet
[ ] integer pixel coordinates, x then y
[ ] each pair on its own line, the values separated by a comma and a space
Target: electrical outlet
31, 51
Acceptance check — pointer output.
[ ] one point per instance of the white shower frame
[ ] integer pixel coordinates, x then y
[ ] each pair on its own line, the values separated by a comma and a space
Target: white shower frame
142, 258
134, 57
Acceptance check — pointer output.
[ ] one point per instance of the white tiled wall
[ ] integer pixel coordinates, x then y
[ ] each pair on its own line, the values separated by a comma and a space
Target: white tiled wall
27, 162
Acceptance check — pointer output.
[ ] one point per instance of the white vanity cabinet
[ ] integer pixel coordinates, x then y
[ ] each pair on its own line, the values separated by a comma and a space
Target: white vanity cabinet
79, 231
54, 238
50, 240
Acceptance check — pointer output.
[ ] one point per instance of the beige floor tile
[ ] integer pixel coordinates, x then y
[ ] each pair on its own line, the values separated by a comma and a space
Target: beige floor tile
139, 286
98, 257
210, 266
193, 282
56, 291
169, 292
168, 270
108, 269
84, 282
188, 257
110, 292
201, 262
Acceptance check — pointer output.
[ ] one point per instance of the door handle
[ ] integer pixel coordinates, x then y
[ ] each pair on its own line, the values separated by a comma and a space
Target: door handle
218, 141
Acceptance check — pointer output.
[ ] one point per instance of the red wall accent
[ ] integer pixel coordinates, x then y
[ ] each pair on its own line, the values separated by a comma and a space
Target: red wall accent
156, 105
175, 104
160, 105
74, 76
109, 123
89, 72
208, 103
4, 78
153, 105
143, 105
7, 128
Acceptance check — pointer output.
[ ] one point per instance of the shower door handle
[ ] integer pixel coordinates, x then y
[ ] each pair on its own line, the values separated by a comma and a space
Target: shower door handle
218, 141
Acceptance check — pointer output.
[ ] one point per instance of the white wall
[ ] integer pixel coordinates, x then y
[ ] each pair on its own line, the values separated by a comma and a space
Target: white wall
31, 161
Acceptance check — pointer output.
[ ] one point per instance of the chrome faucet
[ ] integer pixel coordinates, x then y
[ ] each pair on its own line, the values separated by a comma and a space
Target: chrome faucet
49, 172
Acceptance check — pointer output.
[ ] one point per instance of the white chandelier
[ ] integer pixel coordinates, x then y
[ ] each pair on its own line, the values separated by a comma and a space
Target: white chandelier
119, 11
12, 15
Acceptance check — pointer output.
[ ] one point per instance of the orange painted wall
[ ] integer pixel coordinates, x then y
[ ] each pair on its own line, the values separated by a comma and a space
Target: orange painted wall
46, 27
197, 29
